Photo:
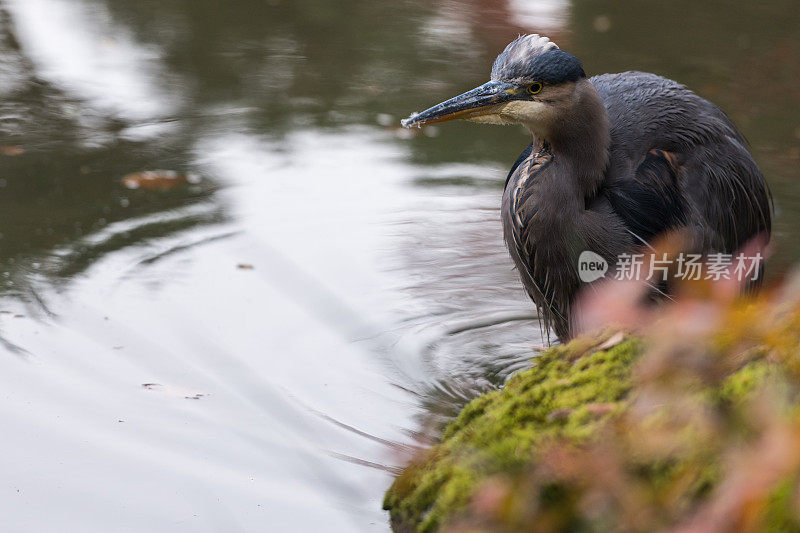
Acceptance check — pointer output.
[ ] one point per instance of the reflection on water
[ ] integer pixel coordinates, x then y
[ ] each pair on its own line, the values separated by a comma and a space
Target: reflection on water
380, 297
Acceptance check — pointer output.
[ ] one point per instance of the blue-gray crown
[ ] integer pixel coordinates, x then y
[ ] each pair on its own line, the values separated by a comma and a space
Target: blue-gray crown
536, 58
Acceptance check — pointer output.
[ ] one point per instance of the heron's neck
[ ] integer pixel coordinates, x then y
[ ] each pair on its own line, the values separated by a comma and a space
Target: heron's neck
579, 138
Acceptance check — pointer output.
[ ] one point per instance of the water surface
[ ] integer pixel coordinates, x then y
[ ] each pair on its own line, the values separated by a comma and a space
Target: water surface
264, 347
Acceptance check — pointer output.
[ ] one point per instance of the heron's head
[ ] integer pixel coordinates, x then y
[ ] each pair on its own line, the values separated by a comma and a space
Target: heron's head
533, 83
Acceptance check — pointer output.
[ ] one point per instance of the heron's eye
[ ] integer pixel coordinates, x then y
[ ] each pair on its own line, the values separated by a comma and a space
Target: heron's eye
535, 88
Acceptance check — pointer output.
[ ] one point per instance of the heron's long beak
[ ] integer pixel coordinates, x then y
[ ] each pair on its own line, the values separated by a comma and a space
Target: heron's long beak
477, 102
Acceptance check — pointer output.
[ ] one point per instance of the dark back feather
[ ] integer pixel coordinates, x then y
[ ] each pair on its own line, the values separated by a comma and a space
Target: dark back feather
674, 160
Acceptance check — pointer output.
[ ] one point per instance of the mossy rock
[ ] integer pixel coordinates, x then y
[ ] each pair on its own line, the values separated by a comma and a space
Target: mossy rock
666, 440
566, 394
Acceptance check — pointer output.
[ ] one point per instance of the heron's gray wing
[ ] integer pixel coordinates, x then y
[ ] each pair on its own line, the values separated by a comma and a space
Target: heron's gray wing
677, 158
651, 201
728, 193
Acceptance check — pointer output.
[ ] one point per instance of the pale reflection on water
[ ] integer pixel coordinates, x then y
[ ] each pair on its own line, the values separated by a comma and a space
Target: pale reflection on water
263, 349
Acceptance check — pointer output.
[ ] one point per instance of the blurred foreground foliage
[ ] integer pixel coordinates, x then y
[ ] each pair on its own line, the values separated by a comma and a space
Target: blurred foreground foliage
691, 423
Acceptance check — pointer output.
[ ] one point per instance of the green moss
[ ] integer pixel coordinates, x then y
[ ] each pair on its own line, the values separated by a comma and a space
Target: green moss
669, 460
617, 439
742, 383
781, 514
570, 390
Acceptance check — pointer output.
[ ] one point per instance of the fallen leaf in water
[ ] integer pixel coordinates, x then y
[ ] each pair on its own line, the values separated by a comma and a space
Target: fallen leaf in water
12, 151
158, 180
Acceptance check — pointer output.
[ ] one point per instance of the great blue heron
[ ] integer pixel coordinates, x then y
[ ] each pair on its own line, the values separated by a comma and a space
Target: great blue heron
616, 160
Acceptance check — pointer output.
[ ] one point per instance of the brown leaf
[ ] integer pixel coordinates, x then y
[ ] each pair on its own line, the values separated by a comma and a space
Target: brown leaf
612, 341
157, 180
12, 150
